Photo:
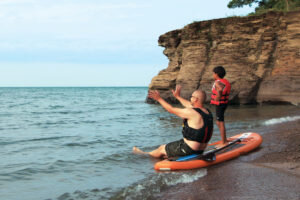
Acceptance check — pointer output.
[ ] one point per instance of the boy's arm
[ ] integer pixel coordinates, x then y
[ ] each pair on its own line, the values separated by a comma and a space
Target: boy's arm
183, 101
219, 87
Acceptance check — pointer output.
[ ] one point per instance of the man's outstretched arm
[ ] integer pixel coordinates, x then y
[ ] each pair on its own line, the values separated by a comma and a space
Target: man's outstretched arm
183, 113
183, 101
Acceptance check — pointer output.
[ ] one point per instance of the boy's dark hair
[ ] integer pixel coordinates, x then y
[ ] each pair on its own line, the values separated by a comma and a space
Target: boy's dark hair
220, 71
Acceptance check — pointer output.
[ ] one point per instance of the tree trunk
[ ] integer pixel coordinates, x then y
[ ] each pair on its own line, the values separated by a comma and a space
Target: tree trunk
287, 5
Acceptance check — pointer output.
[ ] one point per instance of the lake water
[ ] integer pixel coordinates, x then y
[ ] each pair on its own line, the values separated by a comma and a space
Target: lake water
76, 143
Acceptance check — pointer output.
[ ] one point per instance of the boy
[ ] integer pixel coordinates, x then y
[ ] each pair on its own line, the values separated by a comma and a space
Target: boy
219, 97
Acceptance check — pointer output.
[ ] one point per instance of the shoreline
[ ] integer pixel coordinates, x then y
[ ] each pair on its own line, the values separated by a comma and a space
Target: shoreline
270, 172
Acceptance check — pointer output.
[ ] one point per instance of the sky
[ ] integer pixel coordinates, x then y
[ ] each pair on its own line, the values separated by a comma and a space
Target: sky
93, 42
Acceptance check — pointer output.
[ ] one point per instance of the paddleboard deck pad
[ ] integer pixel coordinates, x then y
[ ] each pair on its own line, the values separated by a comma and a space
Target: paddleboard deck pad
238, 145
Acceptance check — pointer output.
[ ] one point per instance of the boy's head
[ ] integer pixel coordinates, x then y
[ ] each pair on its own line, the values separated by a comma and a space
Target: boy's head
220, 71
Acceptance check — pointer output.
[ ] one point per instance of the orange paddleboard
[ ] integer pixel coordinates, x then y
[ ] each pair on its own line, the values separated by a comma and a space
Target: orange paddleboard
238, 145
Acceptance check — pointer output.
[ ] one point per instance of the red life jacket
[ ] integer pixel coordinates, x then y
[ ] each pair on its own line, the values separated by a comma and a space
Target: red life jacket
225, 93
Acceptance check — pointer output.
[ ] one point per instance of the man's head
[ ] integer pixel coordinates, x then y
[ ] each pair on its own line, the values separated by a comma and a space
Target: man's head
198, 97
220, 71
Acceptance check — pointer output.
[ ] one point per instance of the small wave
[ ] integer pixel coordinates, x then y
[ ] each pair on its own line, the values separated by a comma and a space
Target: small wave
84, 144
22, 174
89, 122
57, 112
281, 120
30, 171
56, 106
74, 144
34, 140
147, 188
91, 194
49, 123
144, 189
113, 158
19, 105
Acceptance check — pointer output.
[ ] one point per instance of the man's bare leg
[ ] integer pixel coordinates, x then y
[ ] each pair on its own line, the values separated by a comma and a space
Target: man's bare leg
136, 150
157, 153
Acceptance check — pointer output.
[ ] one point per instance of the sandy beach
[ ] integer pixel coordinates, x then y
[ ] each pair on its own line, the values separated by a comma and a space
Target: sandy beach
270, 172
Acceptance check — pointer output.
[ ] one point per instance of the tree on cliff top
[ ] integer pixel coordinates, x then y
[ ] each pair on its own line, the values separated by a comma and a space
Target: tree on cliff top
266, 5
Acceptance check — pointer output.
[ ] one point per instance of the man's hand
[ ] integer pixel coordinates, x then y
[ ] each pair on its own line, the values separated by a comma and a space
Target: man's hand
176, 93
154, 95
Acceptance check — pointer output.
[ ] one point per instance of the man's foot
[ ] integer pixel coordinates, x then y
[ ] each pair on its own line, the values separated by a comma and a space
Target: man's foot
136, 150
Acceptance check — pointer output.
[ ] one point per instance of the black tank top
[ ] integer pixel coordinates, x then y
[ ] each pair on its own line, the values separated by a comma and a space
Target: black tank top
203, 134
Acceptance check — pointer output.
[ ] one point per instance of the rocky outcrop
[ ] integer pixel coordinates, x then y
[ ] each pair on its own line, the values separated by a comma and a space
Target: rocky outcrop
261, 55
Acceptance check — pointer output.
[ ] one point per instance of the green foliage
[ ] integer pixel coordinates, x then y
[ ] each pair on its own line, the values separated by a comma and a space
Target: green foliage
266, 5
240, 3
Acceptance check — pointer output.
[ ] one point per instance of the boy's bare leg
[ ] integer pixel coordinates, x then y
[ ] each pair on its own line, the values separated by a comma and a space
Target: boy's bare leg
221, 126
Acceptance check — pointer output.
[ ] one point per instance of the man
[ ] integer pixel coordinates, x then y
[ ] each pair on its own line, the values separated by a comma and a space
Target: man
219, 98
197, 129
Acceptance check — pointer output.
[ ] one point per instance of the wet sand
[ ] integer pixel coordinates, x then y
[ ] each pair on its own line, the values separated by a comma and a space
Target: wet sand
270, 172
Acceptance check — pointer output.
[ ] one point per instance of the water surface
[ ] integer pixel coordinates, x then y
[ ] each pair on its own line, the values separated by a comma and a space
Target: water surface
75, 143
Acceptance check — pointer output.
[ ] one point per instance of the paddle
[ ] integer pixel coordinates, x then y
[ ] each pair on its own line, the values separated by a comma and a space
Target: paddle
209, 155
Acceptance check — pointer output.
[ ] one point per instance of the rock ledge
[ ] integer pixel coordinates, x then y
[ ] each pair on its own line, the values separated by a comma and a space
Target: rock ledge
261, 55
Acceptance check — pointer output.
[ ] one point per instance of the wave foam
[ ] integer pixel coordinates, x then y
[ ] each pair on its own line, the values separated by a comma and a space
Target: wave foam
148, 188
281, 120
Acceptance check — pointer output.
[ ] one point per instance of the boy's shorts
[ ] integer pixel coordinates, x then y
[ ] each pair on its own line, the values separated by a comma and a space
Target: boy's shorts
220, 110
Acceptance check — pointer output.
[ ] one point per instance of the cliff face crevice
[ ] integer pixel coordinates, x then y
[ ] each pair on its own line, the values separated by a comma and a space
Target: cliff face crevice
261, 55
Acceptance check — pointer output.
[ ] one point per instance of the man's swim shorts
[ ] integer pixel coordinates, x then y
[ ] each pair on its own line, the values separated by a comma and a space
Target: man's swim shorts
180, 148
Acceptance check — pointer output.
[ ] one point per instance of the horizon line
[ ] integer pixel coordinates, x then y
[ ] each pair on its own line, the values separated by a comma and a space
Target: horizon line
63, 86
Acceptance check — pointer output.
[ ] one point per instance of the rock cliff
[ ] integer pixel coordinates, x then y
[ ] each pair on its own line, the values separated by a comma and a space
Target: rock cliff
261, 55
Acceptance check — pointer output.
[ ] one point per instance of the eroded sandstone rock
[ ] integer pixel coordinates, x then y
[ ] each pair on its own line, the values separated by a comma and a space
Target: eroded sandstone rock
261, 55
